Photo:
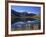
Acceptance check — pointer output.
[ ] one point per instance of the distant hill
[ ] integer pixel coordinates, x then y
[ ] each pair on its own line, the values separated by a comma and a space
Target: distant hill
21, 13
14, 13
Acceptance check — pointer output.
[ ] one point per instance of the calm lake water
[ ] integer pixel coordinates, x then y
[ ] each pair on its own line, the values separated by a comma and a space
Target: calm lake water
22, 23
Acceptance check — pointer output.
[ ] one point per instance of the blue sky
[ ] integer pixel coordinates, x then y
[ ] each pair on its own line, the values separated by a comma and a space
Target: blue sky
33, 9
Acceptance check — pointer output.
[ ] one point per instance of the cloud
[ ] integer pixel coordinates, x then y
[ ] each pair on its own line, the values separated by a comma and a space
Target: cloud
21, 11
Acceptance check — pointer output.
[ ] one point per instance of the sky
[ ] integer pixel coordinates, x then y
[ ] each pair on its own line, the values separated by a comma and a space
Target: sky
28, 9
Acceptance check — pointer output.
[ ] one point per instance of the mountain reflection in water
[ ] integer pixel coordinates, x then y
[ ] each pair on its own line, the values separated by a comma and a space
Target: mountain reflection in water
23, 19
23, 23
